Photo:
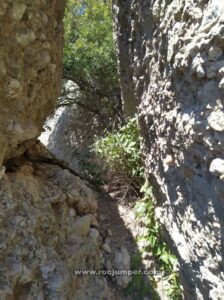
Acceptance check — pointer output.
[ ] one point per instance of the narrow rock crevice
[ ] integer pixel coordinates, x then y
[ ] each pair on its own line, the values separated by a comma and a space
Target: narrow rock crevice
53, 222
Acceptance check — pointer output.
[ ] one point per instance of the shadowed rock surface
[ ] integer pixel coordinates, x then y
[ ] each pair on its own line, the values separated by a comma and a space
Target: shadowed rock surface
171, 62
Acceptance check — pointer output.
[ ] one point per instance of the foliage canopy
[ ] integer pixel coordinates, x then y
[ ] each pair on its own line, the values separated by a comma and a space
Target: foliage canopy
89, 49
90, 58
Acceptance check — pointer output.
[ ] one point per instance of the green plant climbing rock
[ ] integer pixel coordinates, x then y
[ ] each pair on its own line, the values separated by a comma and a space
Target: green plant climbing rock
145, 211
120, 155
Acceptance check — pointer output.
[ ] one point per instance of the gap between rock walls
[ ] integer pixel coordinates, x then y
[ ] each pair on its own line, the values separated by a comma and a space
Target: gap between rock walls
111, 150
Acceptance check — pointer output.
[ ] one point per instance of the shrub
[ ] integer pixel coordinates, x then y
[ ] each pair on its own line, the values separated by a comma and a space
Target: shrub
90, 63
120, 156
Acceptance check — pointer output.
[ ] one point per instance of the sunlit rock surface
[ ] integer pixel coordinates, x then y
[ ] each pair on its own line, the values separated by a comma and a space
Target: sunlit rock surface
46, 213
61, 135
30, 69
69, 134
45, 234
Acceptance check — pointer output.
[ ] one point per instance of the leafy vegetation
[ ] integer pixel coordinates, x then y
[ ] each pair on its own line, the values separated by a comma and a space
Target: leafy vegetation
140, 287
120, 155
90, 60
145, 211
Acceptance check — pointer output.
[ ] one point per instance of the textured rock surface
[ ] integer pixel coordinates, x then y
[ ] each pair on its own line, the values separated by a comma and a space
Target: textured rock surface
45, 219
174, 73
46, 213
31, 35
122, 261
69, 134
66, 136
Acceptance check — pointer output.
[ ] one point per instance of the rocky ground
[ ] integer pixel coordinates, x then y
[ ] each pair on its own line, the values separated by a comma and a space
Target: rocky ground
117, 227
47, 219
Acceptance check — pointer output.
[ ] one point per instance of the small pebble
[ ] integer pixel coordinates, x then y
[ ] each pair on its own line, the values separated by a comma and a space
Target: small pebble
107, 248
109, 232
72, 212
102, 218
2, 171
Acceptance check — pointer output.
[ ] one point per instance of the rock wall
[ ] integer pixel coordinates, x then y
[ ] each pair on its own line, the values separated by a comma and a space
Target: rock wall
174, 71
31, 34
46, 232
69, 134
47, 214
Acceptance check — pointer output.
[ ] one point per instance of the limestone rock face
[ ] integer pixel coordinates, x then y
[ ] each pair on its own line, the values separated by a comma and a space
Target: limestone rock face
68, 136
122, 262
175, 71
46, 212
31, 35
41, 242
